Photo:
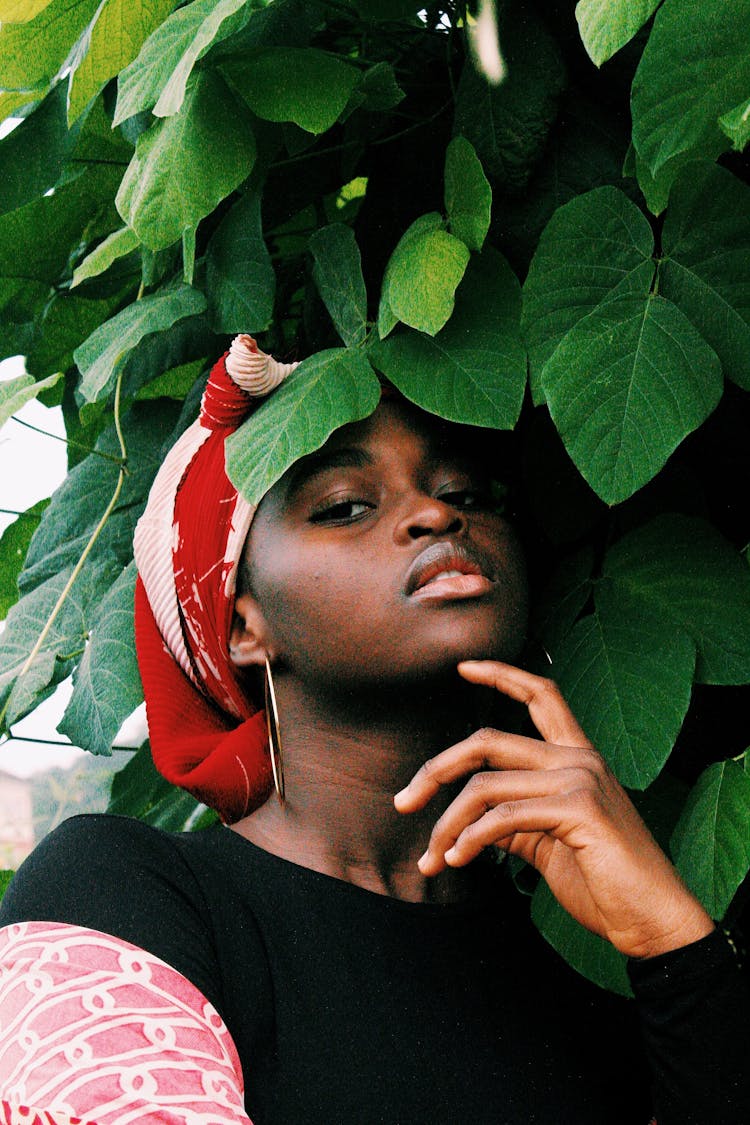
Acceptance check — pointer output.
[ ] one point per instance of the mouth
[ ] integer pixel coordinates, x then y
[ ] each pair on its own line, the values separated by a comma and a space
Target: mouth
447, 571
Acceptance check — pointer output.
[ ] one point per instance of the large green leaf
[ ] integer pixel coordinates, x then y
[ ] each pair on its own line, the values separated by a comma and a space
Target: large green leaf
21, 11
299, 84
184, 166
33, 53
736, 124
607, 25
64, 643
240, 280
432, 221
78, 504
474, 369
695, 67
711, 843
627, 678
508, 124
32, 155
596, 247
338, 275
589, 954
14, 543
68, 319
326, 391
159, 74
468, 195
139, 790
625, 386
423, 274
116, 245
15, 393
682, 571
107, 686
101, 356
112, 41
706, 267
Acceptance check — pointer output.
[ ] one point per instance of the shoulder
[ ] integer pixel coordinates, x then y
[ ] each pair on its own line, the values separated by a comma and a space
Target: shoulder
120, 877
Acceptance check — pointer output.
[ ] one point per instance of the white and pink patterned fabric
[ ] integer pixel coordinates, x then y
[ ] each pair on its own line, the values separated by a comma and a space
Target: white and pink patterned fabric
95, 1030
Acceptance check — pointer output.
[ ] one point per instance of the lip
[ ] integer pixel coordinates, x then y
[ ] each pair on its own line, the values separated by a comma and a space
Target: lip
474, 576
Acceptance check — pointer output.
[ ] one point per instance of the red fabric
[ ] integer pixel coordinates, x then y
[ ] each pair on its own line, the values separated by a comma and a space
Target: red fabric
193, 743
225, 405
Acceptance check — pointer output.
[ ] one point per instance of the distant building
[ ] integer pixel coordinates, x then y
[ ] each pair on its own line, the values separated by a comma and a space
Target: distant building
16, 820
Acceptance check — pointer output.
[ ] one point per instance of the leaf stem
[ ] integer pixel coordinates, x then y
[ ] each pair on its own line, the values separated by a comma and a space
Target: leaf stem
69, 441
86, 550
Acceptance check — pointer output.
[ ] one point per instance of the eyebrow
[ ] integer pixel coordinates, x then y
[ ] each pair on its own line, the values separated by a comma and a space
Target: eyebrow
347, 457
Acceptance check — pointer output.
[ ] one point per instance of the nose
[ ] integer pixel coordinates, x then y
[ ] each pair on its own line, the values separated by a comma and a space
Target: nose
428, 515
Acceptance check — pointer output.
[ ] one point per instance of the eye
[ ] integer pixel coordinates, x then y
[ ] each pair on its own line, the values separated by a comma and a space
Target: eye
469, 499
341, 511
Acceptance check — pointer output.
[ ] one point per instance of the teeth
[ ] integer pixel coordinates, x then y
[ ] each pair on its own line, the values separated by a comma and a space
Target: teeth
445, 574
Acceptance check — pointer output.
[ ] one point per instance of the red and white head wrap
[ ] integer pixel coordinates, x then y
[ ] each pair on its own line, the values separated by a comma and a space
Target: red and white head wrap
206, 735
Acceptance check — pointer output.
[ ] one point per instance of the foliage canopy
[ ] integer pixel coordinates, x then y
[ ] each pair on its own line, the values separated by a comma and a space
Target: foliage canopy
341, 180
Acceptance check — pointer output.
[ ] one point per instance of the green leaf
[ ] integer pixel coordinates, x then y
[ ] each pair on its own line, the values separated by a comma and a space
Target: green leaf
159, 74
184, 166
625, 386
736, 125
138, 790
706, 271
711, 843
379, 89
107, 686
78, 504
68, 319
325, 392
33, 53
116, 245
627, 678
589, 954
508, 124
681, 570
175, 383
387, 319
468, 195
607, 25
474, 369
32, 155
101, 356
14, 543
15, 393
5, 878
240, 280
299, 84
556, 610
596, 247
338, 275
64, 643
694, 69
112, 41
21, 11
423, 275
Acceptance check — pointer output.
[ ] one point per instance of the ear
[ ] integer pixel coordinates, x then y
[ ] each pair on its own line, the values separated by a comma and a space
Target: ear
249, 640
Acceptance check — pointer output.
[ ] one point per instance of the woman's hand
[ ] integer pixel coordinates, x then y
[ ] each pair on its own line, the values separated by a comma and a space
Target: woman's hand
556, 804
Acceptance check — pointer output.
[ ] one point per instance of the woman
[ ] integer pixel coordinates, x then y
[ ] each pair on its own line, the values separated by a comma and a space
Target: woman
349, 950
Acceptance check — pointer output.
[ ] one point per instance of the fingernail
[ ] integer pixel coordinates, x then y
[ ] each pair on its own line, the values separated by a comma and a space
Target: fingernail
451, 855
401, 795
422, 859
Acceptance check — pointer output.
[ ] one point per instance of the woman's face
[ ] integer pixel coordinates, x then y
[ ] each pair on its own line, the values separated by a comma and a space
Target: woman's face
383, 558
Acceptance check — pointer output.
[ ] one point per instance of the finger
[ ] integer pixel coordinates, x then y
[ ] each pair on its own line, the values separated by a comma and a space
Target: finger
488, 749
554, 816
549, 711
486, 791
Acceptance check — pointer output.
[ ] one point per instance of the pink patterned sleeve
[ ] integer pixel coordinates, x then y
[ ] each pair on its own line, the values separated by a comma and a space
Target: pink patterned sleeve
97, 1031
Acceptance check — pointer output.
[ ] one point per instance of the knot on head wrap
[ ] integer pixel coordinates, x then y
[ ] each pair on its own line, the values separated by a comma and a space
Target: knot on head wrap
206, 736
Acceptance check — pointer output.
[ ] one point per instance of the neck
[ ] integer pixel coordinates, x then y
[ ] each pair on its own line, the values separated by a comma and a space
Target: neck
344, 760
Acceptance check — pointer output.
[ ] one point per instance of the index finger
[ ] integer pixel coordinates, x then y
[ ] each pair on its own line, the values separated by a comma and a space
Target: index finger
549, 711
